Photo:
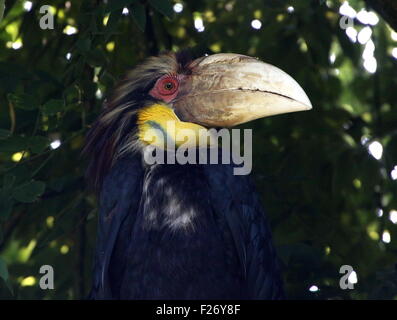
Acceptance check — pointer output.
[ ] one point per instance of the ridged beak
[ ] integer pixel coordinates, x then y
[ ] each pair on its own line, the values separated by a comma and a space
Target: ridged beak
228, 89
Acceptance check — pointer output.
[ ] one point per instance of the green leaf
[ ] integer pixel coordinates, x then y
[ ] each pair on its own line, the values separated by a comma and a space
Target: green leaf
52, 107
6, 204
164, 7
38, 144
8, 181
5, 275
3, 270
83, 44
2, 7
112, 22
29, 192
21, 172
4, 133
96, 58
139, 15
61, 183
13, 144
6, 200
23, 101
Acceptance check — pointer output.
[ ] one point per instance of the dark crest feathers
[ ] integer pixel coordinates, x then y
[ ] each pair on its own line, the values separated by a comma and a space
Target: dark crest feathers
115, 126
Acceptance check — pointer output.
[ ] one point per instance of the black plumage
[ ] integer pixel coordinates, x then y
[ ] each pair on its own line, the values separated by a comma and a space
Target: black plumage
227, 253
171, 231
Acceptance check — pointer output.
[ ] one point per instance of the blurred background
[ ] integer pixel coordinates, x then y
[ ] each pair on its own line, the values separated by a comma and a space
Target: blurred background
328, 177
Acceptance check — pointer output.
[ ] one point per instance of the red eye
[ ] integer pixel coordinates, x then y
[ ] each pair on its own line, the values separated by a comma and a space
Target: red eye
167, 86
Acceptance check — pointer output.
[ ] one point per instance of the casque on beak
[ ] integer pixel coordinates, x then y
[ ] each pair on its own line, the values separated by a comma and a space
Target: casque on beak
228, 89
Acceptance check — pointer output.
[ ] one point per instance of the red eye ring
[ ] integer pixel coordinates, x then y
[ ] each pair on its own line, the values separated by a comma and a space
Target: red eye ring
167, 86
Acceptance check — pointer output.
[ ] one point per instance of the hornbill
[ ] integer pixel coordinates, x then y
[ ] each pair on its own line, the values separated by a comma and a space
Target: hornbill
183, 231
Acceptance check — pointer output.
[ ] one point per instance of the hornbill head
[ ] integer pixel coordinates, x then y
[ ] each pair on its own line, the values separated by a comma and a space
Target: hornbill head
220, 90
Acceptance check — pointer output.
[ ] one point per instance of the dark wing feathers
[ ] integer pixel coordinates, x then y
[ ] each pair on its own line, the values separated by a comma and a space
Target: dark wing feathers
236, 198
119, 200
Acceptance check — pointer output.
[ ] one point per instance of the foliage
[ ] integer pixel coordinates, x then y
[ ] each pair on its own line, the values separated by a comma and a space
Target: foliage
322, 189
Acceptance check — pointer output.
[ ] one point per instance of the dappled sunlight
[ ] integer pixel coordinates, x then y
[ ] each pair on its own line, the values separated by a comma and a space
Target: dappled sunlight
332, 58
364, 35
393, 35
370, 64
346, 10
55, 144
64, 249
16, 45
110, 46
393, 173
178, 7
367, 17
256, 24
50, 221
27, 5
16, 157
314, 288
99, 94
327, 177
199, 24
351, 32
28, 281
70, 30
369, 50
290, 9
353, 277
375, 148
386, 237
393, 216
394, 53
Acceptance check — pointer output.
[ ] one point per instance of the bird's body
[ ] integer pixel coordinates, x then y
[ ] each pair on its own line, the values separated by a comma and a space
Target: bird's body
171, 230
180, 234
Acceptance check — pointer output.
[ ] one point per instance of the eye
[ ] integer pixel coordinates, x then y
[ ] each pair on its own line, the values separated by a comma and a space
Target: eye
167, 86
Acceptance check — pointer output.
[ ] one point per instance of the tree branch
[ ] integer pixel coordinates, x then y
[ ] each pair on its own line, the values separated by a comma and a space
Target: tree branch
387, 9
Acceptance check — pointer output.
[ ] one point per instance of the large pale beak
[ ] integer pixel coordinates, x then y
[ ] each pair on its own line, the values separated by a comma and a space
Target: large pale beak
228, 89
